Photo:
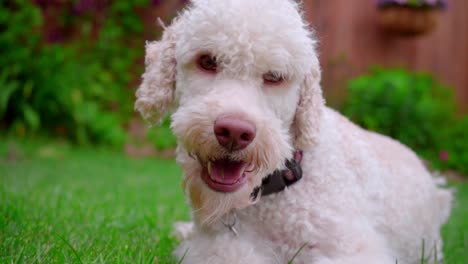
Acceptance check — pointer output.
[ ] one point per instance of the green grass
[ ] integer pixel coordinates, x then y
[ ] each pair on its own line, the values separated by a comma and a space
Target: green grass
63, 205
60, 204
455, 232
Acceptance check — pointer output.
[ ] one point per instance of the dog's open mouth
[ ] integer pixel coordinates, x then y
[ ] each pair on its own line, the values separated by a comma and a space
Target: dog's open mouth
225, 175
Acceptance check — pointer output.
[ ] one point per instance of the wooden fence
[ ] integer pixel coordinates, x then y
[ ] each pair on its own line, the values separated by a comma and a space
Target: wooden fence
351, 41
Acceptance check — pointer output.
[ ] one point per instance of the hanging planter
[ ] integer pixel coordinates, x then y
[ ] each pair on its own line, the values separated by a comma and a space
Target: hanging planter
409, 17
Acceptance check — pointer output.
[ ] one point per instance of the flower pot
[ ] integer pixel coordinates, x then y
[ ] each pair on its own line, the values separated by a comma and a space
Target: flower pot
408, 21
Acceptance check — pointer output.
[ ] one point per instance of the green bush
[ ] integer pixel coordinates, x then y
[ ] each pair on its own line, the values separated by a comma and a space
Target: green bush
454, 154
161, 136
78, 89
73, 79
412, 108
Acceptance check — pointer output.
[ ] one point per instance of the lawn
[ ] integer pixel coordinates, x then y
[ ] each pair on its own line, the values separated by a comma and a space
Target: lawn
61, 204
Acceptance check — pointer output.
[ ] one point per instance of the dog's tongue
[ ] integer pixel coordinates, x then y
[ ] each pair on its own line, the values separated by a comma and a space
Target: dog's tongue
226, 171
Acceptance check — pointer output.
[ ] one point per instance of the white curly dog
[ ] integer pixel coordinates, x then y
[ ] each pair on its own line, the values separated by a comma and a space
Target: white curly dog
242, 77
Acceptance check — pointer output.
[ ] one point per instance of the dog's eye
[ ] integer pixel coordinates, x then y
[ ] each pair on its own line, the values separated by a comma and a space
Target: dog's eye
272, 78
207, 63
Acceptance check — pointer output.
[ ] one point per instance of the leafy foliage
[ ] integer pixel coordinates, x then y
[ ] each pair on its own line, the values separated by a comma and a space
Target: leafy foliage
75, 89
455, 147
414, 109
161, 136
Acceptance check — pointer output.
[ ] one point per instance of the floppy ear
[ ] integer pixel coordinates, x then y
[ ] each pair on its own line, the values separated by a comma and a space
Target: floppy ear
306, 125
156, 92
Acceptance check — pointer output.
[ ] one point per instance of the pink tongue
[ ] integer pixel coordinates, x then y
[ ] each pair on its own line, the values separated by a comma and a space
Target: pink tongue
227, 171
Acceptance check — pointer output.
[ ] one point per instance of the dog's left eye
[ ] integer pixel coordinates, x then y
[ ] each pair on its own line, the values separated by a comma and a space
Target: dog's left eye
272, 78
207, 63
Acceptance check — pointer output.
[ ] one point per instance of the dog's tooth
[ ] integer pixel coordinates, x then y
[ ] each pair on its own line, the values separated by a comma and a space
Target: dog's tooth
247, 168
209, 168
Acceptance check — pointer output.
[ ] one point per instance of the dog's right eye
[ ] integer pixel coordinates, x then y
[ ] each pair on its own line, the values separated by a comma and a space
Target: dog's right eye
207, 63
272, 78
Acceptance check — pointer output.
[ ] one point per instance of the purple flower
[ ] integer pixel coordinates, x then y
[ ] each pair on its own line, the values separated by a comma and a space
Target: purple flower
413, 3
443, 155
83, 6
156, 2
55, 36
45, 3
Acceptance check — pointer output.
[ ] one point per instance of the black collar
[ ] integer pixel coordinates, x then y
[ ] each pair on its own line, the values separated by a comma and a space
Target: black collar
280, 179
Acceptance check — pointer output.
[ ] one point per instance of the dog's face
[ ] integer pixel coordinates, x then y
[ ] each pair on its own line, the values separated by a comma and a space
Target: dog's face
242, 75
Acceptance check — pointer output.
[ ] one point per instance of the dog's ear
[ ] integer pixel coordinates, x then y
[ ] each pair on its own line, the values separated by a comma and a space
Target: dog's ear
156, 92
306, 125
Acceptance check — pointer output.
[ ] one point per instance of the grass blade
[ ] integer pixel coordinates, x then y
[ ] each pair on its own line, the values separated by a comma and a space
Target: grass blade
71, 248
20, 256
297, 253
183, 256
423, 261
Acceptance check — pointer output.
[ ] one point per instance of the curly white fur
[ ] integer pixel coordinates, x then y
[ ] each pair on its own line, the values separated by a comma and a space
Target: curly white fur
364, 198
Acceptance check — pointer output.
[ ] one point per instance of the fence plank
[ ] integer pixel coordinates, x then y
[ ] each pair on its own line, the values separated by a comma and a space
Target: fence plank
351, 41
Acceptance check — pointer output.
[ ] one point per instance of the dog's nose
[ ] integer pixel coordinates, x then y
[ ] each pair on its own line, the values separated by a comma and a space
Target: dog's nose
234, 133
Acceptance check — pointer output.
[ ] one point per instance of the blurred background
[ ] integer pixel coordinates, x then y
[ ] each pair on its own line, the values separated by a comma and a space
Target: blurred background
69, 70
84, 180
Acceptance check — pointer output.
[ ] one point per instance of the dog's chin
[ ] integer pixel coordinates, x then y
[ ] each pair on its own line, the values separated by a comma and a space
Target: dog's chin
210, 205
224, 184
